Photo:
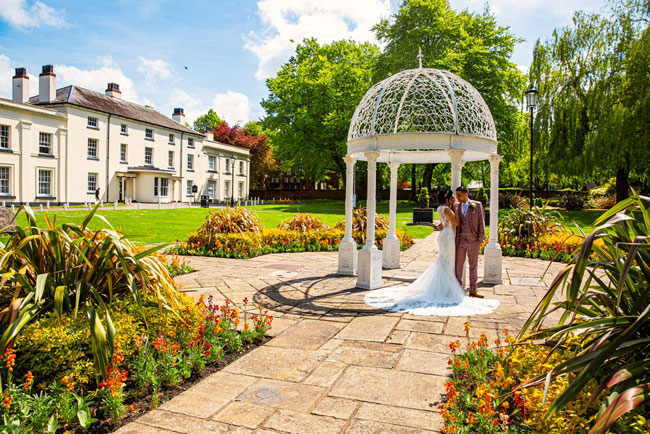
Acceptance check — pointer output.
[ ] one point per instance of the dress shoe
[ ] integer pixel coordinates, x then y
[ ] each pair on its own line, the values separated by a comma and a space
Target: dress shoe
475, 294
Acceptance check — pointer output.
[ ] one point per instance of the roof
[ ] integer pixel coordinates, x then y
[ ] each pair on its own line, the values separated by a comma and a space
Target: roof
98, 101
4, 102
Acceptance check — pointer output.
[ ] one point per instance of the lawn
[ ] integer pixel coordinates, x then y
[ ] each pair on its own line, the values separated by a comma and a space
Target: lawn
156, 226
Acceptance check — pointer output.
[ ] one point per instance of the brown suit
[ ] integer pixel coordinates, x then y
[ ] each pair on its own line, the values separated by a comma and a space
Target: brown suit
470, 233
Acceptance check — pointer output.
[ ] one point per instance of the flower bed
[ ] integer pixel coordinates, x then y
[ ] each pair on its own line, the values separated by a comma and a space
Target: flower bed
52, 387
484, 394
557, 246
251, 244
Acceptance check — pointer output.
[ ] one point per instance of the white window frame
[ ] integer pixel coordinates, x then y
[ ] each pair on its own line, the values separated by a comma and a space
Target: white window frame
92, 184
150, 163
240, 190
212, 163
172, 140
124, 153
124, 129
50, 184
155, 186
188, 188
164, 187
148, 133
241, 168
170, 159
190, 142
5, 181
93, 122
190, 162
5, 136
89, 149
226, 189
211, 192
45, 143
227, 165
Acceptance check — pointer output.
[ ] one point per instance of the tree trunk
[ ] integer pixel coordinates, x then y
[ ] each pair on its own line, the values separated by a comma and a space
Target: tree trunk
622, 185
428, 174
413, 196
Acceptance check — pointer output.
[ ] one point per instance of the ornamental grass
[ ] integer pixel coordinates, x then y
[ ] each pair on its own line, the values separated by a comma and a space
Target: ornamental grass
303, 223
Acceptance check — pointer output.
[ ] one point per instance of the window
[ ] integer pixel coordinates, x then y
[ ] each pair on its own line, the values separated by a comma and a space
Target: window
212, 163
190, 162
212, 189
226, 189
45, 182
164, 187
92, 182
227, 165
189, 188
240, 190
44, 143
148, 133
148, 156
92, 122
190, 142
123, 153
170, 158
241, 167
124, 130
171, 139
92, 148
4, 136
4, 180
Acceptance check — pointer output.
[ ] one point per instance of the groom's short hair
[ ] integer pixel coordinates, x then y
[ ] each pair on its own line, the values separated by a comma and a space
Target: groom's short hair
462, 189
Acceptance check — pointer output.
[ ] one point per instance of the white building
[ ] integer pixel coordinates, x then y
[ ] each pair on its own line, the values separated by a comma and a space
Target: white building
64, 144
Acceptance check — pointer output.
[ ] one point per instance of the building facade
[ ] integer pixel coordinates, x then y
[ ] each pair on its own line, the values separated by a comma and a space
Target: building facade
75, 145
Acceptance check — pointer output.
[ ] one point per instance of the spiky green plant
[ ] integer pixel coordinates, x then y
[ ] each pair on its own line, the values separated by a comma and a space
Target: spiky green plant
302, 222
524, 225
607, 303
70, 268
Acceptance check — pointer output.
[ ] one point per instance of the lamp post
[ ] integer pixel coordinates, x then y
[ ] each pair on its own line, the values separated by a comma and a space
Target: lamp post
232, 170
531, 101
266, 184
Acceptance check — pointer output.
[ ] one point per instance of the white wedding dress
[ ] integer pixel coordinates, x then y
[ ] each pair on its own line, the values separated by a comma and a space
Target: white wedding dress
436, 291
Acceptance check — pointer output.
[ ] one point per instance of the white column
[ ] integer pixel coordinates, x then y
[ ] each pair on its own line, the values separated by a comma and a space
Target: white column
390, 252
456, 156
369, 272
492, 256
347, 246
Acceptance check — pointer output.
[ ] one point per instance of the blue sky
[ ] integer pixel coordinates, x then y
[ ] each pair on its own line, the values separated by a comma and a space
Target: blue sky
210, 54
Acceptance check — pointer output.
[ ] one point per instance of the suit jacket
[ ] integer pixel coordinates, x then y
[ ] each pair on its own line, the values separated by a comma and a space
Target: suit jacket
476, 218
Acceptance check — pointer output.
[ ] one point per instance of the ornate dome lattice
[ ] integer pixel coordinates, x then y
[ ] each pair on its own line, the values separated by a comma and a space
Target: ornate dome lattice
422, 100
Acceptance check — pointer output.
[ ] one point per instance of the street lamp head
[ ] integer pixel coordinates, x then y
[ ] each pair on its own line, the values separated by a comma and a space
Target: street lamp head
232, 158
531, 97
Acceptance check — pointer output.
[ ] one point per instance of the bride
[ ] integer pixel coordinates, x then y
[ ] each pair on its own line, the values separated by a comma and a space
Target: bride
436, 291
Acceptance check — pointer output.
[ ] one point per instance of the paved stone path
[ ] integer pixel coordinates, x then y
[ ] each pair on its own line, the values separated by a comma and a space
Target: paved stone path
335, 365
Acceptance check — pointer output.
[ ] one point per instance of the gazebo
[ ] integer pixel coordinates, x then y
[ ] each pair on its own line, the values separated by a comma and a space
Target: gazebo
421, 115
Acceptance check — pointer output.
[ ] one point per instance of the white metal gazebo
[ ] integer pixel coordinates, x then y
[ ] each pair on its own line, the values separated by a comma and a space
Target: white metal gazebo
418, 115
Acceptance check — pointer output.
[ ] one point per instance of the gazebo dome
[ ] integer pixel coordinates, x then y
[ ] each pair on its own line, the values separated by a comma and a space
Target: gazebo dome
422, 109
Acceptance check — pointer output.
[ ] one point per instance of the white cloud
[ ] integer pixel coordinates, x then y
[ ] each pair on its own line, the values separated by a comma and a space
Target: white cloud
287, 20
563, 9
97, 79
6, 72
154, 70
20, 15
232, 107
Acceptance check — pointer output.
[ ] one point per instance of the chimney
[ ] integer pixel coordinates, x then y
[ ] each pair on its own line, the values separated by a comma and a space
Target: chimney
20, 86
179, 115
209, 135
47, 84
113, 90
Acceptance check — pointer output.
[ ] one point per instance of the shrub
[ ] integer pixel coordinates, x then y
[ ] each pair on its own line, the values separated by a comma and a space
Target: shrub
612, 316
572, 201
229, 221
604, 202
511, 200
359, 224
481, 196
302, 223
423, 197
523, 226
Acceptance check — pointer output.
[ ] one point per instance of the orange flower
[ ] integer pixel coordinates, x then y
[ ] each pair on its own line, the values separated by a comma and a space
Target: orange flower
10, 358
133, 407
7, 399
29, 380
467, 325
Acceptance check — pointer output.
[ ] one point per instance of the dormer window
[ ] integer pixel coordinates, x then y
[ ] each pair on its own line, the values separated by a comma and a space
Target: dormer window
92, 122
171, 139
190, 142
148, 133
124, 130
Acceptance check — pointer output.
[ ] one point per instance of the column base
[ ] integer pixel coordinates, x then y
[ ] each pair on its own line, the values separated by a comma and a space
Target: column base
492, 260
369, 270
347, 257
390, 253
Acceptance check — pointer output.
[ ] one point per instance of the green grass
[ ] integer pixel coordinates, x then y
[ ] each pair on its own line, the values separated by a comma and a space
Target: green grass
156, 226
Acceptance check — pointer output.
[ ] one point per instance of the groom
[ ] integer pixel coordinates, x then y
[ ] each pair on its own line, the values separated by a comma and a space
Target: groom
470, 233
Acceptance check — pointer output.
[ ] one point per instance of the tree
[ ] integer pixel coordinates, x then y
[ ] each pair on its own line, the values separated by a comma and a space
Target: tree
311, 101
473, 46
262, 160
207, 122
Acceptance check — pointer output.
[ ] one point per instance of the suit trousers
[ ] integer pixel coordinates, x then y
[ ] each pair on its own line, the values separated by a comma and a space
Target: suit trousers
470, 249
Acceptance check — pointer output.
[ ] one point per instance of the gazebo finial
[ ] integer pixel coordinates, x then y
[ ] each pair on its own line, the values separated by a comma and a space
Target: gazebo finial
420, 57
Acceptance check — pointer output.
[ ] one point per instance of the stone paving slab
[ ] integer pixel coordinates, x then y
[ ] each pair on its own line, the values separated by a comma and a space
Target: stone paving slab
334, 365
